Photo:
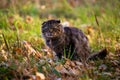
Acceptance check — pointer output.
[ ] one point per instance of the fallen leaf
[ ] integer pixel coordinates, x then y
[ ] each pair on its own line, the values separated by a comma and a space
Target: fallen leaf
58, 79
107, 73
60, 68
29, 19
79, 63
40, 76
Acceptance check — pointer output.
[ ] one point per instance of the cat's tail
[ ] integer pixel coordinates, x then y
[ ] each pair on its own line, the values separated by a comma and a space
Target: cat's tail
98, 55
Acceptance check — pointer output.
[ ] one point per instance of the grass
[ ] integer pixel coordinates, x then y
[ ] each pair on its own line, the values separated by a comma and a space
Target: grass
23, 23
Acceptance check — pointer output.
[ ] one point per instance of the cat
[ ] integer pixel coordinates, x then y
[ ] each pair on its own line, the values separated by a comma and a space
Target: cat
66, 41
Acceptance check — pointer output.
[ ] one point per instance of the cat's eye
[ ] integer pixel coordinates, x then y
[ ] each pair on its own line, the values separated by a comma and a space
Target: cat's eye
44, 27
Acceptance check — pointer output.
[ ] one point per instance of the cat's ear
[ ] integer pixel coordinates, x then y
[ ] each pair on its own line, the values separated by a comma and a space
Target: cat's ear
44, 23
58, 21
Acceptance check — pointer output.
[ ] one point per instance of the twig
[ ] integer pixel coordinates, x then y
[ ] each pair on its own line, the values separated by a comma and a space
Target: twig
5, 42
18, 40
100, 32
96, 20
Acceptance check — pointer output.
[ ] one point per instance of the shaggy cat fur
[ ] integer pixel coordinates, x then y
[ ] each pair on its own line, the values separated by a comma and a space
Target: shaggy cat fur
69, 41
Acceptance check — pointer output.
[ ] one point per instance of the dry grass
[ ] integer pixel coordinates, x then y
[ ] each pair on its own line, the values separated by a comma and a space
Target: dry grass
23, 54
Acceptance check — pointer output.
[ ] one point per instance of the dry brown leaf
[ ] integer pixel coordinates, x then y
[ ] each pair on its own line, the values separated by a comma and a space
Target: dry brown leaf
18, 50
67, 62
107, 73
115, 62
58, 79
72, 64
79, 63
33, 77
29, 19
75, 71
26, 72
64, 71
29, 48
40, 76
60, 68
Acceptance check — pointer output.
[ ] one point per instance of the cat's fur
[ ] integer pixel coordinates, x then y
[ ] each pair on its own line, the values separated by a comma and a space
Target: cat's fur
66, 40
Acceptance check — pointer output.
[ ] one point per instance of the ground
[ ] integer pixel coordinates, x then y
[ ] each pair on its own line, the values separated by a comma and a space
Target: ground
24, 55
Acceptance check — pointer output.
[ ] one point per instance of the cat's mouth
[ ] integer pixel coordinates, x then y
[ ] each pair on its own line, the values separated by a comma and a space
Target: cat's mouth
50, 35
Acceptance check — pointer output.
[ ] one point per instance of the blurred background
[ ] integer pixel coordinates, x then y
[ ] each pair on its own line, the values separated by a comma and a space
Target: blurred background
97, 18
60, 8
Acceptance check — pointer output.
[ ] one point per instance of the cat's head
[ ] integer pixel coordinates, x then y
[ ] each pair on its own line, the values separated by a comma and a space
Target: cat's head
52, 28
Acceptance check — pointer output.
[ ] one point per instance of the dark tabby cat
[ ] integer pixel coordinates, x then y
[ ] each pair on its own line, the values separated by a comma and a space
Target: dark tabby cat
66, 40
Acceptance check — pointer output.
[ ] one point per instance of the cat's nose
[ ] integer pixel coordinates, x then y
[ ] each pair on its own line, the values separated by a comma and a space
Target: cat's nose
51, 30
48, 34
